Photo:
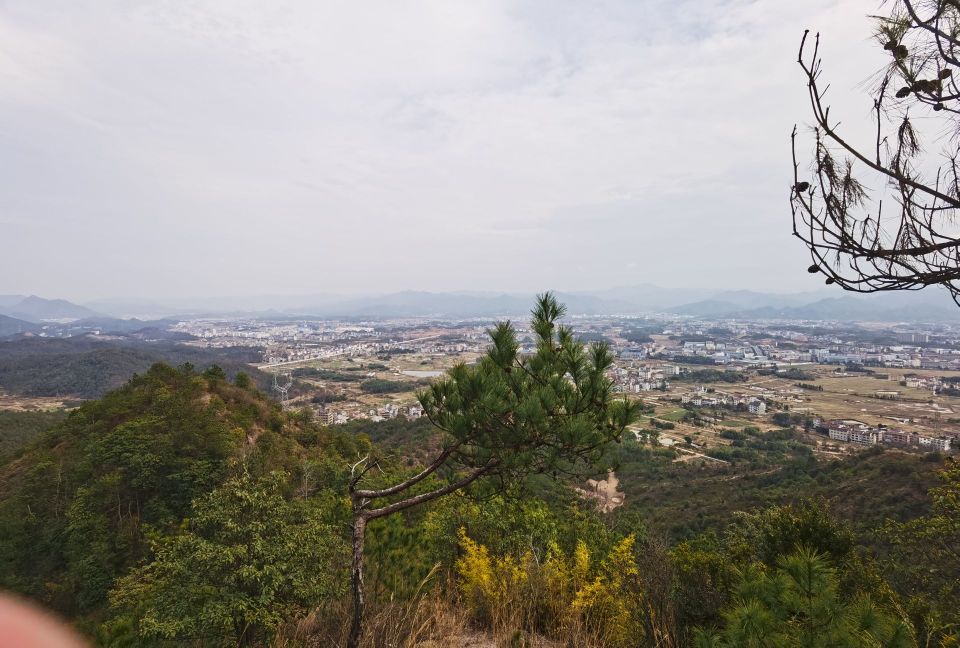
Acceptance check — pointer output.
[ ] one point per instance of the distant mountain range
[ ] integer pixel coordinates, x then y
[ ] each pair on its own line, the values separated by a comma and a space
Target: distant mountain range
889, 307
645, 299
37, 309
929, 305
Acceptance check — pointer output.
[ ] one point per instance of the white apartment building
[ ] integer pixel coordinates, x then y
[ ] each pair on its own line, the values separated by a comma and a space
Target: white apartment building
865, 437
757, 406
839, 434
939, 444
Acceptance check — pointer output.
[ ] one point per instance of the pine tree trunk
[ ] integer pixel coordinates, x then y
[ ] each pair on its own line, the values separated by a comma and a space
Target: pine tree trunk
356, 580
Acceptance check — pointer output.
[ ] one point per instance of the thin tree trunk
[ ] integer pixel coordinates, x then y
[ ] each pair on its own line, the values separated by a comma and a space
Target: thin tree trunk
356, 580
362, 515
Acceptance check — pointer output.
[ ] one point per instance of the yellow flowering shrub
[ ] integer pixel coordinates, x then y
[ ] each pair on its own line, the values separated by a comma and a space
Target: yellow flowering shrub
598, 602
609, 606
493, 587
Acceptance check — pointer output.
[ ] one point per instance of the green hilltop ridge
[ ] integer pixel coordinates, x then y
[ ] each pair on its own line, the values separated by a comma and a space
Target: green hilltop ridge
188, 509
85, 367
81, 504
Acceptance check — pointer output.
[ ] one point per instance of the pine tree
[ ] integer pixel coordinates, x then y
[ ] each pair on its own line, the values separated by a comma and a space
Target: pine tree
799, 605
505, 417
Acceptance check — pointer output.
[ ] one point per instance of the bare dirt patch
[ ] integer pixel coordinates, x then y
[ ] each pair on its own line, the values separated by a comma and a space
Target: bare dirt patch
604, 492
484, 640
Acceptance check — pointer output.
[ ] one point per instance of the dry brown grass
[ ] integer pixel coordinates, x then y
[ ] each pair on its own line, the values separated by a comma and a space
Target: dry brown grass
429, 620
410, 624
426, 619
34, 403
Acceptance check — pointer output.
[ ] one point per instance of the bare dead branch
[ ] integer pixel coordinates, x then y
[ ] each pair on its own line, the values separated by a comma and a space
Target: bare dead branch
852, 240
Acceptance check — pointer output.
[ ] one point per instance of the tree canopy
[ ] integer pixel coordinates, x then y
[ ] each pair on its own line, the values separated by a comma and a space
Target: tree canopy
248, 561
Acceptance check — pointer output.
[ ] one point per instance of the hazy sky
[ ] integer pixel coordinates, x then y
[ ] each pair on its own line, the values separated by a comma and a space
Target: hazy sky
188, 147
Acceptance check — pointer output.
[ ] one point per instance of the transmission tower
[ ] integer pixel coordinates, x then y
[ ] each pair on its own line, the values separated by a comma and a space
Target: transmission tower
283, 390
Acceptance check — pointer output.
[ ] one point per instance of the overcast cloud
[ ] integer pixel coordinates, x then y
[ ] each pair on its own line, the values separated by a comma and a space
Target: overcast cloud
181, 148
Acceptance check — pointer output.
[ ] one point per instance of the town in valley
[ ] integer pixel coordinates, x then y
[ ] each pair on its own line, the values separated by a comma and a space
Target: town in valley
704, 381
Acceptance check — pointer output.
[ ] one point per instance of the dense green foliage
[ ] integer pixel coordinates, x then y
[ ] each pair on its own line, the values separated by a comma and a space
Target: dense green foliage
786, 419
516, 414
788, 576
89, 368
711, 376
681, 500
763, 449
323, 397
248, 561
791, 373
936, 537
81, 506
799, 604
414, 441
380, 386
19, 428
74, 509
640, 334
591, 336
326, 375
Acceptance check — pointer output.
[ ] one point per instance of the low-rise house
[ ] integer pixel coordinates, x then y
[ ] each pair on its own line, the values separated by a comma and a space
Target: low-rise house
328, 416
934, 444
756, 406
869, 436
898, 437
838, 434
414, 412
841, 429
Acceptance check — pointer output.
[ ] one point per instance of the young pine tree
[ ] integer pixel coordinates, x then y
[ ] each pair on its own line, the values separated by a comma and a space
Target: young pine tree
507, 416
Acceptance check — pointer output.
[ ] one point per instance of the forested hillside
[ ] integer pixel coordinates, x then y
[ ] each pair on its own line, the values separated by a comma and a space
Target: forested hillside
19, 428
87, 368
186, 509
87, 501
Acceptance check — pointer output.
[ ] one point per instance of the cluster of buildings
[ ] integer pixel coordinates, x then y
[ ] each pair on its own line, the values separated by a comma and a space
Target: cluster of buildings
411, 412
728, 353
701, 397
893, 356
932, 383
852, 431
810, 351
642, 378
648, 363
297, 341
770, 343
